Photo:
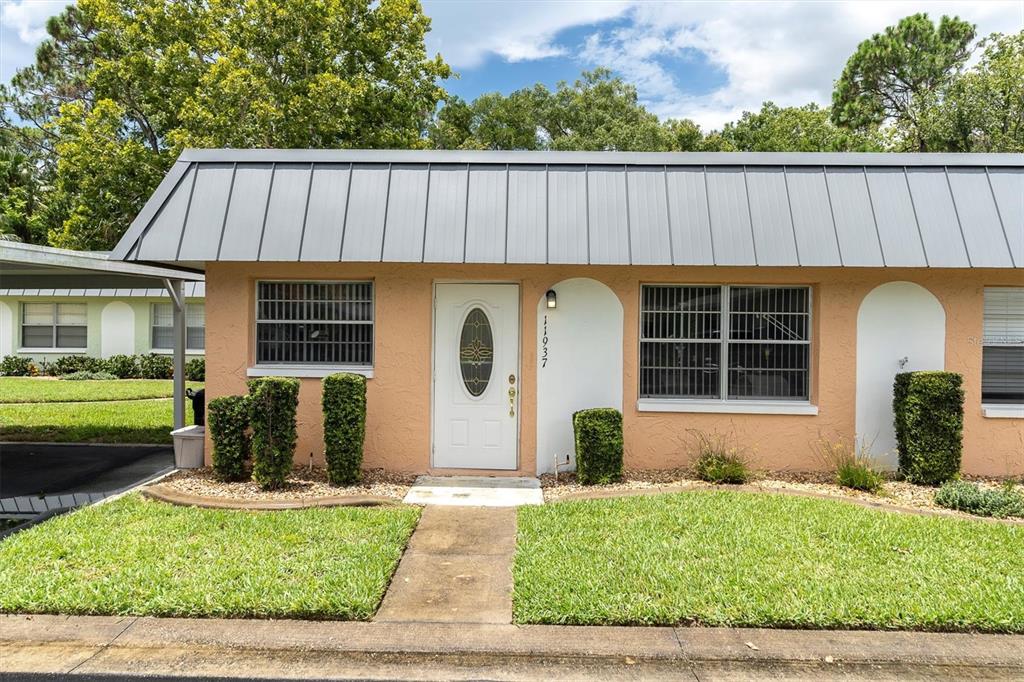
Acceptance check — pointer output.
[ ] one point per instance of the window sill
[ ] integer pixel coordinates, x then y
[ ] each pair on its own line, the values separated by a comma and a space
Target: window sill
65, 351
305, 371
169, 351
723, 407
1003, 411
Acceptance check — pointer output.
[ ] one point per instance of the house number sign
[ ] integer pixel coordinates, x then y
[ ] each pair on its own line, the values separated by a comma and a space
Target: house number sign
544, 345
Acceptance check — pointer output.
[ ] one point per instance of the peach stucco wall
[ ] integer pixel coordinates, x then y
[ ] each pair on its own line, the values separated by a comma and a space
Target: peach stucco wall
399, 421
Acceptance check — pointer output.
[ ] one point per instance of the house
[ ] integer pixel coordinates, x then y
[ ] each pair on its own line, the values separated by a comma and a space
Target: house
82, 314
489, 295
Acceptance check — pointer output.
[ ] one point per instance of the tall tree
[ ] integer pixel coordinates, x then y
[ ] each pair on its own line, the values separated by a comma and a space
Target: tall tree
122, 86
792, 129
897, 75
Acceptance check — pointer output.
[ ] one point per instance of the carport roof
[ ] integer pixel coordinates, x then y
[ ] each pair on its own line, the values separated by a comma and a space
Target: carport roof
788, 209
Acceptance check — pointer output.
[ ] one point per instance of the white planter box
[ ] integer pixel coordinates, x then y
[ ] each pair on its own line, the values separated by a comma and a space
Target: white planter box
188, 447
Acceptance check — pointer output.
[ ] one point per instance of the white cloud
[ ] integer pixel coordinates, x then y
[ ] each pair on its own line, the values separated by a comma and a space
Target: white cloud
28, 17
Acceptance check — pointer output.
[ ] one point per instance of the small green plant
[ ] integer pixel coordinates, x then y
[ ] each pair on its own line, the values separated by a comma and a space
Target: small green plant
273, 403
70, 364
344, 406
88, 376
928, 409
155, 366
717, 458
973, 499
123, 366
854, 466
195, 369
229, 422
598, 435
17, 366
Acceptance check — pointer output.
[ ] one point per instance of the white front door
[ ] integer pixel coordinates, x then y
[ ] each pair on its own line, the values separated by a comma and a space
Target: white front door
476, 376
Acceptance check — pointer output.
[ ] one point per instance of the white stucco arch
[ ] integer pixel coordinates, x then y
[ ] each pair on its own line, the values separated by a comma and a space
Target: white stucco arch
579, 362
6, 330
901, 327
117, 329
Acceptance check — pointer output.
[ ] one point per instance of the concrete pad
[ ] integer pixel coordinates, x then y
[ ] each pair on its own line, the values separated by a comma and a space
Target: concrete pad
475, 491
456, 569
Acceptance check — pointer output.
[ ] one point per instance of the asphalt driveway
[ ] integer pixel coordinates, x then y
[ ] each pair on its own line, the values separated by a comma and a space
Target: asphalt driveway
27, 469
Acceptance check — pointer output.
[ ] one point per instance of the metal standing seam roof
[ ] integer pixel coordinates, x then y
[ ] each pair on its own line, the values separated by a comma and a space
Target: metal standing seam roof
191, 289
787, 209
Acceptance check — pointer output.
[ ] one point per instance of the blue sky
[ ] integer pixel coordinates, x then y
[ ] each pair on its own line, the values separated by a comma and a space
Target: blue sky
708, 61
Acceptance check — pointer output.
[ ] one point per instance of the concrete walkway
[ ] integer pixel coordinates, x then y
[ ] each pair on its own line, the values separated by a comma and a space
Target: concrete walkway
475, 491
456, 569
97, 647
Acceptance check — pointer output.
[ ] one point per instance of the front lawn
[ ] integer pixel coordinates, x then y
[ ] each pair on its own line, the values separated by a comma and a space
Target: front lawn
138, 557
37, 390
743, 559
109, 421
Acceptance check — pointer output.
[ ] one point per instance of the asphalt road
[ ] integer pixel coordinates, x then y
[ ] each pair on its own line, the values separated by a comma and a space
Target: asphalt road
27, 469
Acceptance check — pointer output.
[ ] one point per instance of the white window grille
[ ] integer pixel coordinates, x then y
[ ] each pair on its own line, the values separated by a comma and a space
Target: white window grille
54, 325
1002, 374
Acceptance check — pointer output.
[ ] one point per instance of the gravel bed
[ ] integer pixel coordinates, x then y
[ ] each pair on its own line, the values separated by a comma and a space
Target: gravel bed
894, 493
303, 484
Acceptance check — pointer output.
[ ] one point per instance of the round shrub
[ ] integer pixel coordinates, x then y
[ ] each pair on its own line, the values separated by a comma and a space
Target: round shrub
88, 376
928, 410
598, 435
123, 366
973, 499
17, 366
273, 402
344, 405
70, 364
195, 369
155, 366
228, 418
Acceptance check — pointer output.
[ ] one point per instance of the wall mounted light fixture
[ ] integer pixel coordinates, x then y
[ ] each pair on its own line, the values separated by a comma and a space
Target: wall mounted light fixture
552, 299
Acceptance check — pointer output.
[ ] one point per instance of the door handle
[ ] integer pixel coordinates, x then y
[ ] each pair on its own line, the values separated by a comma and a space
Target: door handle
511, 401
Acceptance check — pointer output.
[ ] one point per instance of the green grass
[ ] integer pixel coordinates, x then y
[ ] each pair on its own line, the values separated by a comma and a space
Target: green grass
743, 559
35, 390
111, 421
138, 557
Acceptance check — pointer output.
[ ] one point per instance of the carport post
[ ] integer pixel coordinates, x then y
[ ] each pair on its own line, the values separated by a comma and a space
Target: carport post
175, 287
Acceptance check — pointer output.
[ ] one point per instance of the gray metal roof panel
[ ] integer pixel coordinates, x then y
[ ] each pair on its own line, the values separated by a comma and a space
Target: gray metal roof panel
407, 209
286, 212
937, 217
855, 226
367, 210
983, 230
527, 215
650, 239
247, 207
895, 217
1008, 190
689, 216
206, 212
567, 215
770, 216
608, 216
445, 235
813, 225
163, 238
730, 216
325, 213
486, 213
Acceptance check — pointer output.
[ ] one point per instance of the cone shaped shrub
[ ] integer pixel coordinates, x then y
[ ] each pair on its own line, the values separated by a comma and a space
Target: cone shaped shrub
229, 420
598, 434
344, 404
928, 408
273, 402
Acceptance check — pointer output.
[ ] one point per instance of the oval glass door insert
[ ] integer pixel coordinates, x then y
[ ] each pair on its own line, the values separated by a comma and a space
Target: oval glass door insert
476, 352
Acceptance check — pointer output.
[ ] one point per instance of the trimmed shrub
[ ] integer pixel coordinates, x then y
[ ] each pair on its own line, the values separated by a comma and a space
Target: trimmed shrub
195, 369
598, 435
929, 418
155, 366
273, 402
17, 366
88, 376
228, 418
70, 364
854, 466
973, 499
344, 404
718, 460
123, 366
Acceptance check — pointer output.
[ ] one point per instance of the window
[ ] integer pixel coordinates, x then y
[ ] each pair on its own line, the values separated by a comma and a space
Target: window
760, 335
53, 325
163, 326
1002, 374
314, 323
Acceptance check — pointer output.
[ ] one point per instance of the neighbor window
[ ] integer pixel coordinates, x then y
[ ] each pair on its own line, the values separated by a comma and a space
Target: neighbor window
725, 342
163, 326
53, 325
1002, 375
314, 323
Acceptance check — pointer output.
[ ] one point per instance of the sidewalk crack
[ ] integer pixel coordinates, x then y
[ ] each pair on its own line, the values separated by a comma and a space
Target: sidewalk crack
131, 621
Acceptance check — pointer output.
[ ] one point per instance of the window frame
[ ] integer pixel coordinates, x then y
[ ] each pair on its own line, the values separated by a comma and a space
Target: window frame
309, 370
997, 409
167, 349
54, 325
724, 403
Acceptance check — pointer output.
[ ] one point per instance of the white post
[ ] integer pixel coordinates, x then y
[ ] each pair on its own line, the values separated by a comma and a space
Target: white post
175, 287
